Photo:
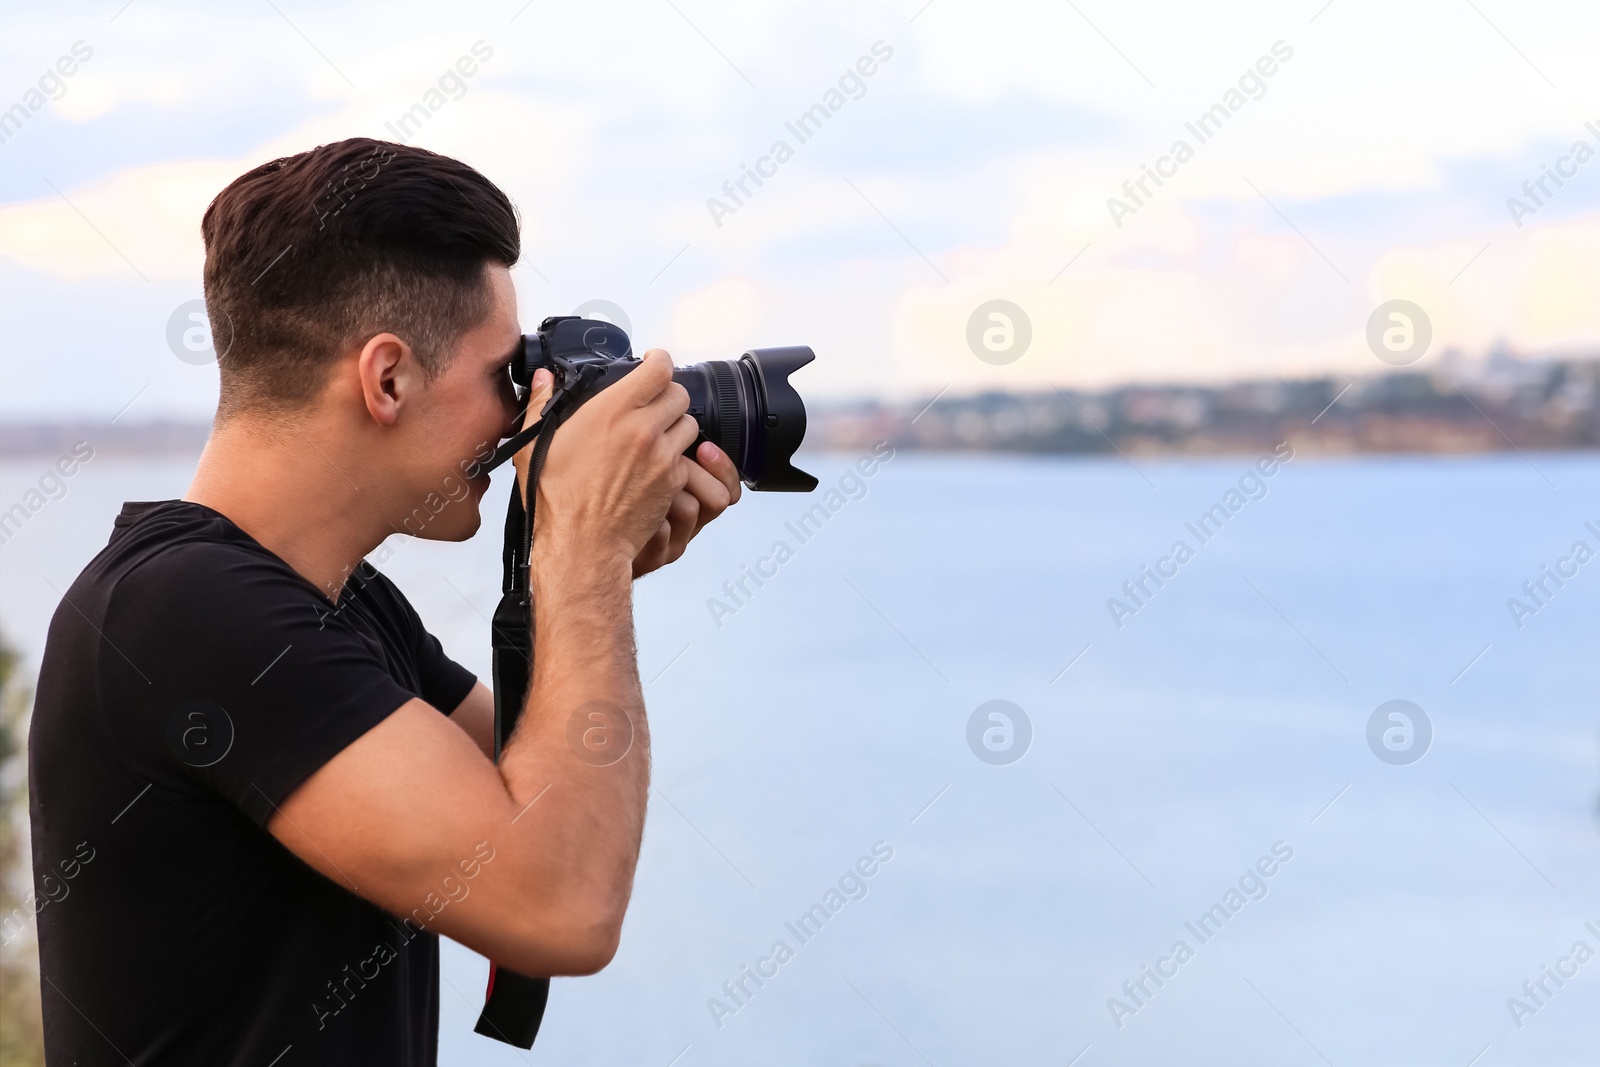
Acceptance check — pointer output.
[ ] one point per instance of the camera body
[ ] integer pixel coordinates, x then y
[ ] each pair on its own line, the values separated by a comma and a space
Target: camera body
746, 407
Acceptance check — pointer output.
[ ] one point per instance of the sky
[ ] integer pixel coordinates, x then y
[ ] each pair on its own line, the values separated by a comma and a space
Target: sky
1366, 152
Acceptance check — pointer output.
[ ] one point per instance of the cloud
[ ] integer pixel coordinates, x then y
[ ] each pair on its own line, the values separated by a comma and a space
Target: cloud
146, 219
1142, 305
976, 166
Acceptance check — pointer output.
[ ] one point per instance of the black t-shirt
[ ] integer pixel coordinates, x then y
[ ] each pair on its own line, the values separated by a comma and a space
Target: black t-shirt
191, 681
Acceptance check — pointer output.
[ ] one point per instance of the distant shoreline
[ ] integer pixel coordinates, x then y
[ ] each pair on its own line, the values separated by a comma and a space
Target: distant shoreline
1461, 407
20, 440
1379, 437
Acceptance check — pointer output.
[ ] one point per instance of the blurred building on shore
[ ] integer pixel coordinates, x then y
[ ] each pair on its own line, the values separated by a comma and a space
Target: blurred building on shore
1460, 404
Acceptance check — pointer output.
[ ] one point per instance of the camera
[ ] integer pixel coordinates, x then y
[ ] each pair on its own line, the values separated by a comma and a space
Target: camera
746, 407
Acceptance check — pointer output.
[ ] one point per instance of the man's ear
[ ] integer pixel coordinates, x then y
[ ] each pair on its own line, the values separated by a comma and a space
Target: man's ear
389, 376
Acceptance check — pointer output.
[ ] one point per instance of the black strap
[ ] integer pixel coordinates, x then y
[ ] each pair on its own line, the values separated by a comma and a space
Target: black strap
513, 1008
514, 1003
511, 446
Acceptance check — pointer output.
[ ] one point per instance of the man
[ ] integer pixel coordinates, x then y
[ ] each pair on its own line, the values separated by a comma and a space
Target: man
259, 787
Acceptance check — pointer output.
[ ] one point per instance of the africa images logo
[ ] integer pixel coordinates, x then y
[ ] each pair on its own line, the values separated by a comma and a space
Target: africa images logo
200, 733
1399, 732
999, 732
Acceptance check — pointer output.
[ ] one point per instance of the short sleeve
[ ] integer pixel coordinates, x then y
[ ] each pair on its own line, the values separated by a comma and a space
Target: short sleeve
442, 681
445, 683
233, 675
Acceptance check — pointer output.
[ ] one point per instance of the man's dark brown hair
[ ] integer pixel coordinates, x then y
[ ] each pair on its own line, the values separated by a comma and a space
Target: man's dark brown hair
310, 254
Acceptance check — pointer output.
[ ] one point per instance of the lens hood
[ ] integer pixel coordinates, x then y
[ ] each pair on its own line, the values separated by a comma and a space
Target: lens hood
782, 417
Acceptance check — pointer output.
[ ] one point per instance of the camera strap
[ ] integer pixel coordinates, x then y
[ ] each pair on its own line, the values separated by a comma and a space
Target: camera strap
514, 1003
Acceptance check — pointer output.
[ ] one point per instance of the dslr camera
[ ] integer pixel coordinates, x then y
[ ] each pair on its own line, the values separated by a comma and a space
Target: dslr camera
746, 407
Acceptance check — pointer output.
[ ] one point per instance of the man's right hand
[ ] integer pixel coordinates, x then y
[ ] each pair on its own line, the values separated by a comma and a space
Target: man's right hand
613, 468
414, 798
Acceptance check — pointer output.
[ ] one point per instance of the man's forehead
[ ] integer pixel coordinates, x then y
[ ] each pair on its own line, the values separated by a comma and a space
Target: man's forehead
503, 321
504, 289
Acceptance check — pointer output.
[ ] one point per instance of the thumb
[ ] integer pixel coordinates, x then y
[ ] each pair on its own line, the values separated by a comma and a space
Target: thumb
539, 389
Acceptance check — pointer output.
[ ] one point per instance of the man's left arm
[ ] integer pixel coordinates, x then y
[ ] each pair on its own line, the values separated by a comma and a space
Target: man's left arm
475, 715
712, 488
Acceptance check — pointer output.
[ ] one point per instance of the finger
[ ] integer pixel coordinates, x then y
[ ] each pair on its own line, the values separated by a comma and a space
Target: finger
538, 393
721, 465
646, 381
709, 491
539, 390
682, 519
681, 434
679, 527
668, 405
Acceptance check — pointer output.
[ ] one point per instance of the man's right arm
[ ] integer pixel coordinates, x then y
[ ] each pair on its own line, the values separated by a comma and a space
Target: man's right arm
405, 811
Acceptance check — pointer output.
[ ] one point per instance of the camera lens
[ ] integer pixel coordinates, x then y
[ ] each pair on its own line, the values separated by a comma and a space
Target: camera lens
747, 408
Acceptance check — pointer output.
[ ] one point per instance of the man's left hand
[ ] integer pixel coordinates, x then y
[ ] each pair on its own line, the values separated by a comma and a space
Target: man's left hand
713, 486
